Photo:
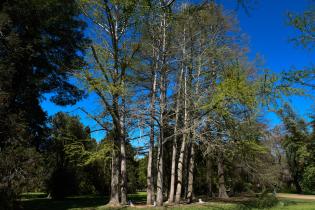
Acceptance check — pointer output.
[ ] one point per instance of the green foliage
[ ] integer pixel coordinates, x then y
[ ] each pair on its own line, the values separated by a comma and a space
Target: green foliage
308, 182
20, 170
305, 24
263, 201
41, 44
68, 148
142, 173
235, 89
102, 153
295, 144
266, 201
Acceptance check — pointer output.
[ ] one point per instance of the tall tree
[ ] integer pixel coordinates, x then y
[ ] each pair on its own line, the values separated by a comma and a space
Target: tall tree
41, 45
66, 147
295, 143
112, 55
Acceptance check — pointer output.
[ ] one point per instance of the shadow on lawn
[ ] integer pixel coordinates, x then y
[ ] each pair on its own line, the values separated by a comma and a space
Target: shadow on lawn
80, 202
88, 202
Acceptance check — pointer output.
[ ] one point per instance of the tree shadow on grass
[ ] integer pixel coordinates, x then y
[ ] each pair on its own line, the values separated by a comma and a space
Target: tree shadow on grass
87, 202
81, 202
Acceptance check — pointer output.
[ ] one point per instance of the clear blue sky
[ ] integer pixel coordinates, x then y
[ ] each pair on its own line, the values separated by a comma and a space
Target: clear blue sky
269, 37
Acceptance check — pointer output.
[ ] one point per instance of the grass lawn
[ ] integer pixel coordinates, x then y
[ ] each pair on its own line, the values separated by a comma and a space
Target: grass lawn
38, 201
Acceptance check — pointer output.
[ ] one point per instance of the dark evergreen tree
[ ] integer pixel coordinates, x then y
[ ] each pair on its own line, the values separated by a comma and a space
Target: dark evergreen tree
41, 44
295, 144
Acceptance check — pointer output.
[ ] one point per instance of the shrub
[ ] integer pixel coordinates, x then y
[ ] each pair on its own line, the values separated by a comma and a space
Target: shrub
18, 168
266, 201
263, 201
308, 181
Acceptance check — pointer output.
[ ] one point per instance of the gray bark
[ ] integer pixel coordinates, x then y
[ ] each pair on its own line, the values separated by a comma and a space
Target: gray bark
222, 189
123, 164
114, 194
159, 193
180, 164
150, 185
174, 151
209, 177
191, 173
123, 170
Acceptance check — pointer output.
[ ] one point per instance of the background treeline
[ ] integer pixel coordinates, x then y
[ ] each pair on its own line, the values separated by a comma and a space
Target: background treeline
177, 73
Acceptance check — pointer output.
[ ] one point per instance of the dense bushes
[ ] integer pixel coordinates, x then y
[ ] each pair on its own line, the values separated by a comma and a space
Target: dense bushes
263, 201
308, 181
19, 170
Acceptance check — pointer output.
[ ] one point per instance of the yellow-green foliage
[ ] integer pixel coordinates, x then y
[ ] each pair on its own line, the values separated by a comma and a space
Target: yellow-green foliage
234, 88
251, 146
102, 153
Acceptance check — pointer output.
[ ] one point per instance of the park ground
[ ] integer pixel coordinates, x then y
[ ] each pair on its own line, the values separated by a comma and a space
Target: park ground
38, 201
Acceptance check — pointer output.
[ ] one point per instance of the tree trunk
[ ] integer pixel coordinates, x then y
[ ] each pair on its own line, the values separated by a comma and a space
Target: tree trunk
150, 185
174, 152
159, 193
123, 164
192, 119
209, 177
191, 173
180, 167
123, 173
180, 164
119, 143
173, 171
159, 185
114, 194
222, 189
297, 184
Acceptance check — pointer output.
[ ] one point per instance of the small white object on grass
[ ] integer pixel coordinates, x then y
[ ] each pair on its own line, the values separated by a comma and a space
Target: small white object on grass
200, 201
154, 204
131, 204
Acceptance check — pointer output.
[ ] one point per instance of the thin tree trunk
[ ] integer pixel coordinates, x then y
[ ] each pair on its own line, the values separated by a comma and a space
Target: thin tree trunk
191, 173
159, 193
297, 184
150, 185
209, 177
123, 173
222, 189
195, 122
173, 169
180, 164
159, 185
174, 152
123, 166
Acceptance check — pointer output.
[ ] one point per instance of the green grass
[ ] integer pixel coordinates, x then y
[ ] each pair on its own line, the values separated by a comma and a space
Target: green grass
35, 201
294, 204
33, 195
